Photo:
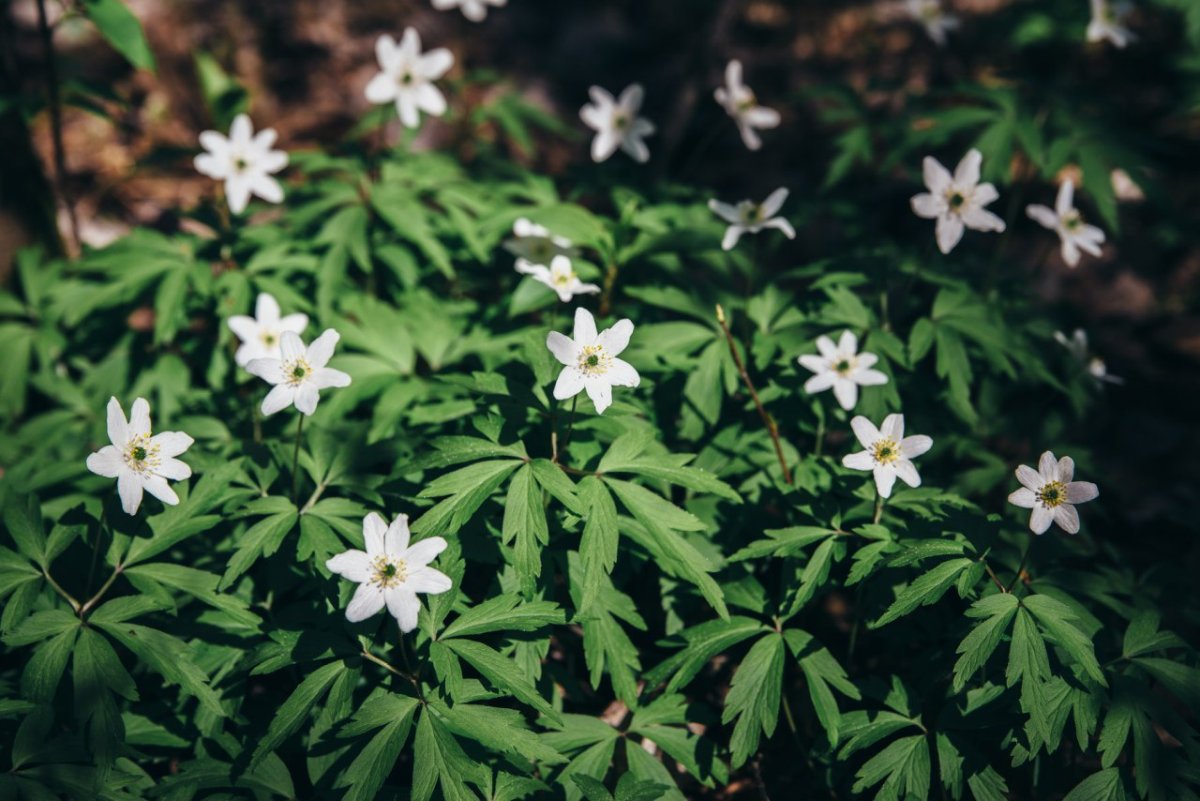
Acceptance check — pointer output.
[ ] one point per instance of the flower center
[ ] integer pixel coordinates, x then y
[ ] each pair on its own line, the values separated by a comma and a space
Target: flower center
405, 79
885, 451
240, 163
620, 120
562, 279
955, 199
1052, 494
594, 360
754, 214
748, 102
1072, 220
295, 372
268, 338
843, 366
387, 573
141, 455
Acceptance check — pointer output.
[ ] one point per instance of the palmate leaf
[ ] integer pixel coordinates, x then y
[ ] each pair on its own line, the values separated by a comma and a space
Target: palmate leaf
292, 713
525, 527
1058, 621
390, 716
977, 647
754, 696
439, 761
502, 672
504, 613
924, 590
902, 767
702, 643
823, 674
165, 655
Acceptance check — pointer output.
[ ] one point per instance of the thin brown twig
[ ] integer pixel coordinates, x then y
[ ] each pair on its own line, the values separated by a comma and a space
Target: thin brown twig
56, 128
768, 421
995, 578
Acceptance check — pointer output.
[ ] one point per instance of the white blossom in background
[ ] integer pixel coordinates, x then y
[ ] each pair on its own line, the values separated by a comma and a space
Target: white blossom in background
474, 10
1125, 188
1077, 345
748, 217
390, 572
533, 244
842, 368
138, 460
245, 161
299, 373
590, 360
740, 102
559, 276
1065, 220
1107, 23
1050, 492
932, 17
261, 334
406, 77
617, 124
956, 201
888, 453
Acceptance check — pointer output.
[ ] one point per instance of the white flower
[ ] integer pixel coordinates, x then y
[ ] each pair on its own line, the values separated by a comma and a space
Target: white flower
138, 460
558, 276
390, 571
474, 10
1106, 23
298, 374
888, 452
741, 104
842, 368
1051, 494
617, 124
748, 217
260, 334
1078, 347
930, 15
533, 244
590, 360
244, 161
406, 77
956, 201
1065, 220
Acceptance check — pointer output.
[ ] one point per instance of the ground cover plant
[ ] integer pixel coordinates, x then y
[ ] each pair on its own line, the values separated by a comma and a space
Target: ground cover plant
390, 472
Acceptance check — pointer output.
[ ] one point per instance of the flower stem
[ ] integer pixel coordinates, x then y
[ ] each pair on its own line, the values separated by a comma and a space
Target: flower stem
570, 423
296, 463
58, 588
878, 508
1021, 567
95, 599
768, 421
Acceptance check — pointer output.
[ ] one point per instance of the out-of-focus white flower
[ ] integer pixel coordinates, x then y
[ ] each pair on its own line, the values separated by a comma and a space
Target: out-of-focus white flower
841, 367
1065, 220
956, 201
617, 124
1051, 494
138, 460
406, 77
741, 104
244, 161
590, 360
888, 452
1125, 188
932, 17
474, 10
748, 217
1107, 23
298, 374
261, 334
390, 571
558, 276
534, 244
1077, 345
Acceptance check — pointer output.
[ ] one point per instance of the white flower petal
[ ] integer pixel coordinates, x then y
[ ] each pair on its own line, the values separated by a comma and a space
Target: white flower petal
846, 392
129, 487
159, 488
1067, 518
307, 398
1043, 215
1082, 491
885, 479
562, 348
428, 580
139, 419
269, 370
616, 339
927, 206
1029, 478
367, 601
914, 446
118, 428
353, 564
570, 382
585, 328
279, 398
893, 427
173, 469
395, 540
600, 392
374, 534
937, 177
949, 232
321, 349
172, 443
107, 462
622, 374
869, 378
422, 553
1025, 498
732, 234
967, 172
907, 472
1048, 467
865, 430
1040, 519
403, 605
381, 89
859, 461
821, 381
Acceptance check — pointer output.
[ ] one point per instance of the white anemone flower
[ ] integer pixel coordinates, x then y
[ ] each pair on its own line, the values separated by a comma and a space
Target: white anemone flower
1065, 220
617, 124
534, 244
1050, 492
298, 374
559, 276
841, 367
1107, 23
590, 360
1077, 345
406, 77
138, 460
261, 334
888, 452
244, 161
474, 10
956, 201
390, 571
748, 217
932, 17
740, 102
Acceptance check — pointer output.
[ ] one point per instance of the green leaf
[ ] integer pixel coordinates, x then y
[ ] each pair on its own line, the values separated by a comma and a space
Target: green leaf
524, 526
601, 537
438, 760
23, 520
704, 641
197, 583
261, 539
1058, 620
924, 590
44, 669
295, 709
364, 777
977, 647
902, 767
122, 30
1103, 786
754, 696
1027, 658
505, 674
504, 613
166, 656
467, 488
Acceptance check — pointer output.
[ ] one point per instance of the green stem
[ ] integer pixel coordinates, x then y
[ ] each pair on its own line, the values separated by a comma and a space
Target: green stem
878, 508
570, 423
58, 588
1021, 567
95, 599
296, 464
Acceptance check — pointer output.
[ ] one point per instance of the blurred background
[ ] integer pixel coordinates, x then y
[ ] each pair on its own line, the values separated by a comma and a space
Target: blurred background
842, 73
